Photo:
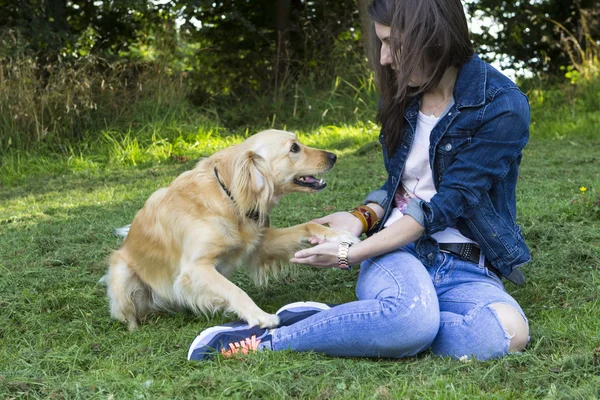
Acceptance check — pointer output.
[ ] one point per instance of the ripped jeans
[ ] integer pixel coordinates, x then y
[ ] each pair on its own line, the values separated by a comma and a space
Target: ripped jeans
404, 308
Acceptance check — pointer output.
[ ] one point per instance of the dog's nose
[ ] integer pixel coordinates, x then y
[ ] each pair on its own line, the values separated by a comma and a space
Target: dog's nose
332, 157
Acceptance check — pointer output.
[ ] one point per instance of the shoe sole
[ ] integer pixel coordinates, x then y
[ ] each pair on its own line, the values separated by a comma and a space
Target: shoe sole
307, 305
207, 333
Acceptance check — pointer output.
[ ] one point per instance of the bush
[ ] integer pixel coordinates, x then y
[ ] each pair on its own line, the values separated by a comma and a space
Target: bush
66, 100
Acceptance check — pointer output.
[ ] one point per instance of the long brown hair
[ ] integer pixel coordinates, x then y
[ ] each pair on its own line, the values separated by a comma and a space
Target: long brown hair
431, 35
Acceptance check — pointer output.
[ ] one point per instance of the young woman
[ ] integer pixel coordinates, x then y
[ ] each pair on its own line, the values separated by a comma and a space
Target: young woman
441, 230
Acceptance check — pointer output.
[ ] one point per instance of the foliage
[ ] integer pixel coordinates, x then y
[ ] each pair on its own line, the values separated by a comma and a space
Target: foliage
231, 46
530, 33
151, 133
236, 46
561, 111
72, 71
77, 96
241, 45
61, 28
583, 52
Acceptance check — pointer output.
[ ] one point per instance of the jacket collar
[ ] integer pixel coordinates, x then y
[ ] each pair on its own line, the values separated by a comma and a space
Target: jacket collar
469, 89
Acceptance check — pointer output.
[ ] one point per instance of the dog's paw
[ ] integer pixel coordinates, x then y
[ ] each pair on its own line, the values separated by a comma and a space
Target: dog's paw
330, 234
337, 235
263, 320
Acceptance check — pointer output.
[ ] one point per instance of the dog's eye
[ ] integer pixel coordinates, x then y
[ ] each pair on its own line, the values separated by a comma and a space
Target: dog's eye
295, 148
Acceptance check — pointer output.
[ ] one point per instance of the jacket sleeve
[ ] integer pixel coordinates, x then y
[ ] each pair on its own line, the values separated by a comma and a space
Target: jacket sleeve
496, 145
378, 196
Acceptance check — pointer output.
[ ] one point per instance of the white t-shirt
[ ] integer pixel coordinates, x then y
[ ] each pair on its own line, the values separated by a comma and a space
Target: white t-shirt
417, 180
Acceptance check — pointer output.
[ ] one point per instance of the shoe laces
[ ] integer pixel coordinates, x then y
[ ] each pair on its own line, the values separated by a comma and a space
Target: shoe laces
243, 347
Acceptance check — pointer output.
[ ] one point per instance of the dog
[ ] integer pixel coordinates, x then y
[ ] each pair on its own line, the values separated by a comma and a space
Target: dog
189, 237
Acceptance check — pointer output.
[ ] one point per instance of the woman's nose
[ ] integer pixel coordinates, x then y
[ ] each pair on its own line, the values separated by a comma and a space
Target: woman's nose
386, 56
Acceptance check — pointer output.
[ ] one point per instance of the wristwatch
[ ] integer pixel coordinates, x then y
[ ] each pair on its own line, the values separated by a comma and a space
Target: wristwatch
343, 255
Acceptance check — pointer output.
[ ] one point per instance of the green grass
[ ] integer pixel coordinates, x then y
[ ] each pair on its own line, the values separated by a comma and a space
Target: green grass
60, 201
57, 340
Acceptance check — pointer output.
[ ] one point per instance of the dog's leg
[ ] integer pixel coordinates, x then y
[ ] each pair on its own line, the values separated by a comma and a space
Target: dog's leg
278, 245
130, 298
281, 244
201, 287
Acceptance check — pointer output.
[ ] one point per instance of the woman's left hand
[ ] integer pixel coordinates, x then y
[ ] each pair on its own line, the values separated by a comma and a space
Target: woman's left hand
323, 255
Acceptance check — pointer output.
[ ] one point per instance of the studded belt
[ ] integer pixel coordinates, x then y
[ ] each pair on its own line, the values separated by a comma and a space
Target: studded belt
468, 252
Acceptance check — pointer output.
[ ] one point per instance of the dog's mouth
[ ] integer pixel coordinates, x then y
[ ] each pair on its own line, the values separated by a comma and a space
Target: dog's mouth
311, 182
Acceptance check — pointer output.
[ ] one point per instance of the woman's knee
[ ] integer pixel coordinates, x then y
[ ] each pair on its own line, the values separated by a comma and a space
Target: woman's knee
407, 331
514, 325
489, 332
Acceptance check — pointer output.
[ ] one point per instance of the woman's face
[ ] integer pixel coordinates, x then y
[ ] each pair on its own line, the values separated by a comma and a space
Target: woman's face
386, 58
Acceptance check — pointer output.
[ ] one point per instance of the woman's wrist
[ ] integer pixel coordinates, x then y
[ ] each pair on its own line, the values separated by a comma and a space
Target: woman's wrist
357, 226
402, 232
343, 249
354, 254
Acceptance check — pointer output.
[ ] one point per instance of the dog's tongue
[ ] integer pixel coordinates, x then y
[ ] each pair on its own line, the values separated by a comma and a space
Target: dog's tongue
309, 179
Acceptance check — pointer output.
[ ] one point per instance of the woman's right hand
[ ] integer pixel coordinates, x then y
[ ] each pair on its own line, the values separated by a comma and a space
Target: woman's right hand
342, 220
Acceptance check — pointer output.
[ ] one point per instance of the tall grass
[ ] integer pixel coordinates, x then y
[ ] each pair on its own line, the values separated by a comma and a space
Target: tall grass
94, 114
64, 101
572, 106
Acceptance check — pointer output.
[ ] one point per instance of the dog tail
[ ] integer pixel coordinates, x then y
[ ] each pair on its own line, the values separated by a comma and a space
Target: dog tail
122, 231
130, 298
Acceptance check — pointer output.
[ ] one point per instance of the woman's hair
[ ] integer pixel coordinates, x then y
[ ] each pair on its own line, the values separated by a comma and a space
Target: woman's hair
426, 35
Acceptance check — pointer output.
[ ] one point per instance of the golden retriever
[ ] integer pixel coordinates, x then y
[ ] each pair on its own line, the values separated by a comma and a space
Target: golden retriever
190, 236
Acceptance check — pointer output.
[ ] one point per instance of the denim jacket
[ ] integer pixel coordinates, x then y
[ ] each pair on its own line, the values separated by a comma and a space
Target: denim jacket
474, 153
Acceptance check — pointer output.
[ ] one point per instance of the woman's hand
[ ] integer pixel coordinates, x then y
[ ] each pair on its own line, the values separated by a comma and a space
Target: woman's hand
342, 220
323, 255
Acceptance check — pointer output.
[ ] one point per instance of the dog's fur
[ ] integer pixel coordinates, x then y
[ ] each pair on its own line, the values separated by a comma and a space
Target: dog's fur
189, 237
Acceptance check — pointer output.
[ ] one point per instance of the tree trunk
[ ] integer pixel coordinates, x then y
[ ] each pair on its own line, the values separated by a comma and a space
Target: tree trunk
283, 12
366, 23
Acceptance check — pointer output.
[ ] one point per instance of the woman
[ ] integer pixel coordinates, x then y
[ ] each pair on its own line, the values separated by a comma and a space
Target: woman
441, 230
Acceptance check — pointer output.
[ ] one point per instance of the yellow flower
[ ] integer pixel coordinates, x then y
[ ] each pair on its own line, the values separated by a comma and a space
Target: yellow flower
583, 189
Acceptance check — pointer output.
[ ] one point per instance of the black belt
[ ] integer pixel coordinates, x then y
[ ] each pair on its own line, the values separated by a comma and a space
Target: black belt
468, 252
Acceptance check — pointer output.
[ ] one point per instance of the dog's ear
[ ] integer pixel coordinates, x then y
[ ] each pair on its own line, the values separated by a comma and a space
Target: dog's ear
252, 185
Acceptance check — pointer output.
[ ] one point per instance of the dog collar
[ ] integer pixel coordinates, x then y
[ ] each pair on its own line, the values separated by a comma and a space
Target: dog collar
253, 215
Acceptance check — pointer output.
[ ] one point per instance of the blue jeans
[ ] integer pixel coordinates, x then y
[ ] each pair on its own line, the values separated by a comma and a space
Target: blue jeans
404, 308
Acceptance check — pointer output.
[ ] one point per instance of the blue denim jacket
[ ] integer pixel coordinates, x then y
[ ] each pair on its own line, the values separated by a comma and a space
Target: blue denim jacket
474, 153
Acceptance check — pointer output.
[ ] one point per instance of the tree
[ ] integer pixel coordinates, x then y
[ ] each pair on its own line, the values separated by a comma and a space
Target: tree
529, 32
61, 28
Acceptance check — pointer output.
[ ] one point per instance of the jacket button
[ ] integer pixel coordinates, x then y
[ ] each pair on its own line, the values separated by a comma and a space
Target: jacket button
448, 147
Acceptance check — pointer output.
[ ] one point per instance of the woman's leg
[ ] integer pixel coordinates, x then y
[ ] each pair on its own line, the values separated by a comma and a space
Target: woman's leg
478, 318
396, 315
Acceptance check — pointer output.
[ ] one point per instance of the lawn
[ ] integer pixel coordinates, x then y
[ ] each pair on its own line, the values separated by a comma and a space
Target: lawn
58, 341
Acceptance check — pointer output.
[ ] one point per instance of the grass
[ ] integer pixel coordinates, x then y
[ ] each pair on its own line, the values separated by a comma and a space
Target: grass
57, 340
58, 207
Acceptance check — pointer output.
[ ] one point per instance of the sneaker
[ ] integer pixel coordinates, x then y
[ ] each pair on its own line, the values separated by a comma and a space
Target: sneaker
294, 312
229, 340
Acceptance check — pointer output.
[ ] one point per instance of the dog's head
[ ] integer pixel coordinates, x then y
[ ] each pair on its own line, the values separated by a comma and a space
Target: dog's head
269, 165
294, 166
